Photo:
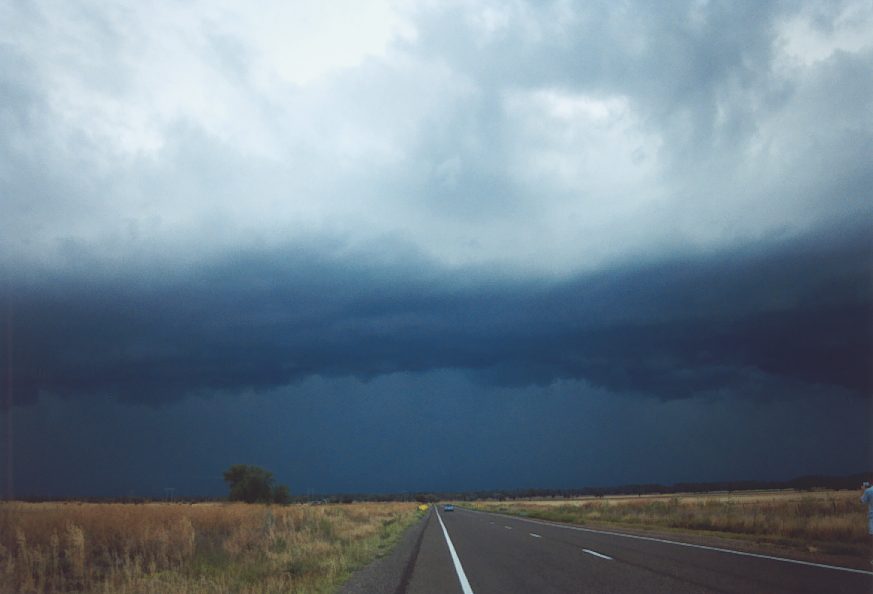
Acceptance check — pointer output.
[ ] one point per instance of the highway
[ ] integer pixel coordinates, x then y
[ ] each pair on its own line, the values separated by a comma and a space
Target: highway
474, 552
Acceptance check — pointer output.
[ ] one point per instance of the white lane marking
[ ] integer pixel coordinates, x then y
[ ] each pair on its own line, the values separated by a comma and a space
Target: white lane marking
508, 527
685, 544
534, 535
596, 554
462, 577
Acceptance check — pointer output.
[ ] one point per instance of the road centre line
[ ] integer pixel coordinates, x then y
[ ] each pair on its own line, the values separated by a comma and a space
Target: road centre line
462, 577
508, 527
682, 544
596, 554
534, 535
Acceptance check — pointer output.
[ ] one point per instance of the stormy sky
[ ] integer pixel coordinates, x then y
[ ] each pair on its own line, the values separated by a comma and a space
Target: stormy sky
411, 246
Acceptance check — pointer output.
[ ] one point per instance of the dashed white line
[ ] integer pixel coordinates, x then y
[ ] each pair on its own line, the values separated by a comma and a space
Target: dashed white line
534, 535
596, 554
462, 577
508, 527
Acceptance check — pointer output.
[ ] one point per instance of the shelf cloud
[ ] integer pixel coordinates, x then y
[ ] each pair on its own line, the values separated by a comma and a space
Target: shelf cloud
665, 204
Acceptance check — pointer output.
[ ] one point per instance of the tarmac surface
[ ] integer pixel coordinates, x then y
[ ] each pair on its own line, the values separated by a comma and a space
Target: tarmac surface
470, 552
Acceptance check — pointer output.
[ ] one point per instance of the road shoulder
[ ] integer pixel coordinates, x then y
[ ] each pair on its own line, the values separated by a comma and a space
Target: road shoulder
391, 573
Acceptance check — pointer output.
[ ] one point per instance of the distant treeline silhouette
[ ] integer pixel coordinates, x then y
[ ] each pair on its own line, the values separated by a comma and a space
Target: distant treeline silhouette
809, 482
851, 481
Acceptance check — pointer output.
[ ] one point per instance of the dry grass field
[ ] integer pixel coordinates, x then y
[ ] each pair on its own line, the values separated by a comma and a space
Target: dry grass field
826, 522
172, 548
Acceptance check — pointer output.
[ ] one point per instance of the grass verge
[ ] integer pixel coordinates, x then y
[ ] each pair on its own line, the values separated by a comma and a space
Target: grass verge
173, 548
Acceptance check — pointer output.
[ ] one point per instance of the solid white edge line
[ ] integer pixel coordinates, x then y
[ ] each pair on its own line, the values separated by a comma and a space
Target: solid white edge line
596, 554
534, 535
681, 544
465, 585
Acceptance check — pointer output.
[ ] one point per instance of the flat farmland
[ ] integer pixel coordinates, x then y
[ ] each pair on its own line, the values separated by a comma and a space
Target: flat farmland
815, 524
192, 548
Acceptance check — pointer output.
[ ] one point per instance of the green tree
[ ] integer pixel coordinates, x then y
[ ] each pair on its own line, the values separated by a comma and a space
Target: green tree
251, 484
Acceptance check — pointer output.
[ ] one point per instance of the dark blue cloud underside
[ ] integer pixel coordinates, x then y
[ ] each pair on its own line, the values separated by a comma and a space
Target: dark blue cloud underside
754, 321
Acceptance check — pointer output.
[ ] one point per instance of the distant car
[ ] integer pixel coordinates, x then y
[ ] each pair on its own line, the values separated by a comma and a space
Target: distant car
448, 507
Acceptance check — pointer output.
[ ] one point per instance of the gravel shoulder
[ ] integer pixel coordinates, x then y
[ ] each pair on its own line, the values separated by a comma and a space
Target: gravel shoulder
392, 572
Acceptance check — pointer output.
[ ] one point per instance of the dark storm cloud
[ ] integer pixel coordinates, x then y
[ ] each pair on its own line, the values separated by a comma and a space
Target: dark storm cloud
665, 198
769, 320
354, 242
433, 431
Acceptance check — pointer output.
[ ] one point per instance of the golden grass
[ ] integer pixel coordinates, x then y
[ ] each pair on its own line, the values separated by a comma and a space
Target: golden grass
832, 522
174, 548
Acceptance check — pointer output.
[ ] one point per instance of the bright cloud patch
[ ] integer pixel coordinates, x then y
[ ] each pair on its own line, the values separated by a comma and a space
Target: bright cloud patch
816, 33
533, 141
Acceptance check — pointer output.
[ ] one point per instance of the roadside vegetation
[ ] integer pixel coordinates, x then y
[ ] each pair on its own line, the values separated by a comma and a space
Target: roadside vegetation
172, 548
826, 522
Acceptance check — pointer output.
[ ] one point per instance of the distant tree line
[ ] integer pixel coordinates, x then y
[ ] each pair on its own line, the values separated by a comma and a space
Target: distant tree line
852, 481
810, 482
257, 484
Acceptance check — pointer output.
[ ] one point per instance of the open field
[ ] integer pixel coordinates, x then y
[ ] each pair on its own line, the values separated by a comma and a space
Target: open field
175, 547
818, 522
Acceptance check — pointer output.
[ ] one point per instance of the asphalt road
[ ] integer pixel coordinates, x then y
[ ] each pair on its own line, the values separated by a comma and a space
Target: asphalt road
495, 554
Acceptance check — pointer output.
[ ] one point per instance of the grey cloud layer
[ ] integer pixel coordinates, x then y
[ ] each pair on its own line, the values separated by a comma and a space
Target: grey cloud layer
544, 139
